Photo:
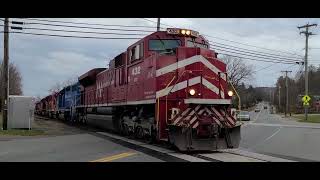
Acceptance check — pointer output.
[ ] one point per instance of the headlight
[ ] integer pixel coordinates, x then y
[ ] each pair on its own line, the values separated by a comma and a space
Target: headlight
188, 32
192, 92
230, 93
183, 31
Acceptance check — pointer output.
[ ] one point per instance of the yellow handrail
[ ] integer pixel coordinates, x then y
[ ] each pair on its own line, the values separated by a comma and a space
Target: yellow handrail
239, 105
170, 91
158, 118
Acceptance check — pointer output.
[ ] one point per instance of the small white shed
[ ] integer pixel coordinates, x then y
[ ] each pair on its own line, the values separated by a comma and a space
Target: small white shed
20, 112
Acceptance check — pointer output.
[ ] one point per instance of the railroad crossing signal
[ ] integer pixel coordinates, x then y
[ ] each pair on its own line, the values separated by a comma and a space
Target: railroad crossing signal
306, 100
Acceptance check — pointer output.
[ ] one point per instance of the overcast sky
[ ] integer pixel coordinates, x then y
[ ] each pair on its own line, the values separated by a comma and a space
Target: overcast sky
44, 61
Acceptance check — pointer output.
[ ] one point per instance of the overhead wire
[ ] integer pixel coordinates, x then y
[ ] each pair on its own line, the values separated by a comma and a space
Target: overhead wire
265, 56
73, 31
273, 55
253, 59
91, 24
287, 52
70, 36
86, 27
268, 59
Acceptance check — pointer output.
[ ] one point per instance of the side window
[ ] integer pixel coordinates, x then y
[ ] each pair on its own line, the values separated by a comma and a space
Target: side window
136, 52
132, 54
141, 51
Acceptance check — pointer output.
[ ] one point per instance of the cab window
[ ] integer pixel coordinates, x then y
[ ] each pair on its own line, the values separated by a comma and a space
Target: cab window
196, 44
163, 45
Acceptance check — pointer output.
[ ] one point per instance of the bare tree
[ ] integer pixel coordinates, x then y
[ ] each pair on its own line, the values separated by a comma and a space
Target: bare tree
38, 98
237, 70
15, 80
70, 81
59, 86
55, 88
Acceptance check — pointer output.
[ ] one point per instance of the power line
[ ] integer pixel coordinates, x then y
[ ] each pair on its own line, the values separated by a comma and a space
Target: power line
89, 32
287, 59
86, 27
287, 52
250, 50
255, 59
85, 37
274, 60
264, 68
91, 24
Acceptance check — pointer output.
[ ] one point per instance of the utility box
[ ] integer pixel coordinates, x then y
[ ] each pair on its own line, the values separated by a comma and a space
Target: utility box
20, 112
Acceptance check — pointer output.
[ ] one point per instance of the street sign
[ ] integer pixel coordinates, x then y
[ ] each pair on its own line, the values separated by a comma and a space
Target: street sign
306, 100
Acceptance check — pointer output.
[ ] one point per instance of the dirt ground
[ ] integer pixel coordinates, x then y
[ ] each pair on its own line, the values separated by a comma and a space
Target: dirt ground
50, 127
54, 127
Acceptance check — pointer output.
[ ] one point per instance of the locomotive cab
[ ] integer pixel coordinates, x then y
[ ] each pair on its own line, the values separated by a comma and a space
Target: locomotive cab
193, 99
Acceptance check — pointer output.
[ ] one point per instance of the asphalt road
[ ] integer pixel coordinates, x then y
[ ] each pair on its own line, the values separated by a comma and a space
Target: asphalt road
65, 143
275, 135
69, 148
266, 133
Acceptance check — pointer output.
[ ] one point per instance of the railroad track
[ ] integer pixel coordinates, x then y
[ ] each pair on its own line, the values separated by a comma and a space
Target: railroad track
164, 152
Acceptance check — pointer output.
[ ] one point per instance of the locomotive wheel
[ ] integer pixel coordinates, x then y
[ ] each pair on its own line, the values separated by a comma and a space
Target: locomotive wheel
139, 133
122, 129
125, 130
150, 139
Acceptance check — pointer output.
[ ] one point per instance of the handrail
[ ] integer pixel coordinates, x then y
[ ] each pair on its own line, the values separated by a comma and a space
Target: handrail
158, 118
170, 91
239, 105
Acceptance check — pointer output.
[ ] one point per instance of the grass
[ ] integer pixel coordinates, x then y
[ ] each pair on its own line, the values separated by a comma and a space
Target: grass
311, 118
19, 132
0, 120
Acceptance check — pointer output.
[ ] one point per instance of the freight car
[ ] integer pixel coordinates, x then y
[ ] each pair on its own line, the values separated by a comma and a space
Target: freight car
169, 86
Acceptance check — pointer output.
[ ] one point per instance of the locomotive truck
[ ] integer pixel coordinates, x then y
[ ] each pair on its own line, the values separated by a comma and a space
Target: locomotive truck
168, 86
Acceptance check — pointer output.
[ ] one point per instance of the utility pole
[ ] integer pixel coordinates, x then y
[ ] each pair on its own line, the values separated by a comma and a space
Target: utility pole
307, 34
279, 96
287, 95
158, 24
5, 73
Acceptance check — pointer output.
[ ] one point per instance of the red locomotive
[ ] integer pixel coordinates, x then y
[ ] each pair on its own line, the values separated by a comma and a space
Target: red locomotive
167, 86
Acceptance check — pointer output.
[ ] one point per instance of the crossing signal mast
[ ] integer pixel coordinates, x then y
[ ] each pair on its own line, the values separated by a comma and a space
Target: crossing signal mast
307, 34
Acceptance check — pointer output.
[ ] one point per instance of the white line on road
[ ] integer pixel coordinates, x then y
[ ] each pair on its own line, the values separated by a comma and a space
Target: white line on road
267, 138
272, 134
284, 125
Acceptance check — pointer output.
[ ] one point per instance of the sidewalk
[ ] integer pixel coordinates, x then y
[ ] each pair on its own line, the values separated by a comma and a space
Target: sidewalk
291, 120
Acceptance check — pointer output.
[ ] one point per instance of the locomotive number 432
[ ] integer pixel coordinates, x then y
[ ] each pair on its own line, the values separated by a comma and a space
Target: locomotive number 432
136, 70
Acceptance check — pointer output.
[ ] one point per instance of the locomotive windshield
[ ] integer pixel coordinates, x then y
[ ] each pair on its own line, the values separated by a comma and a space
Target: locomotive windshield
163, 45
196, 44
